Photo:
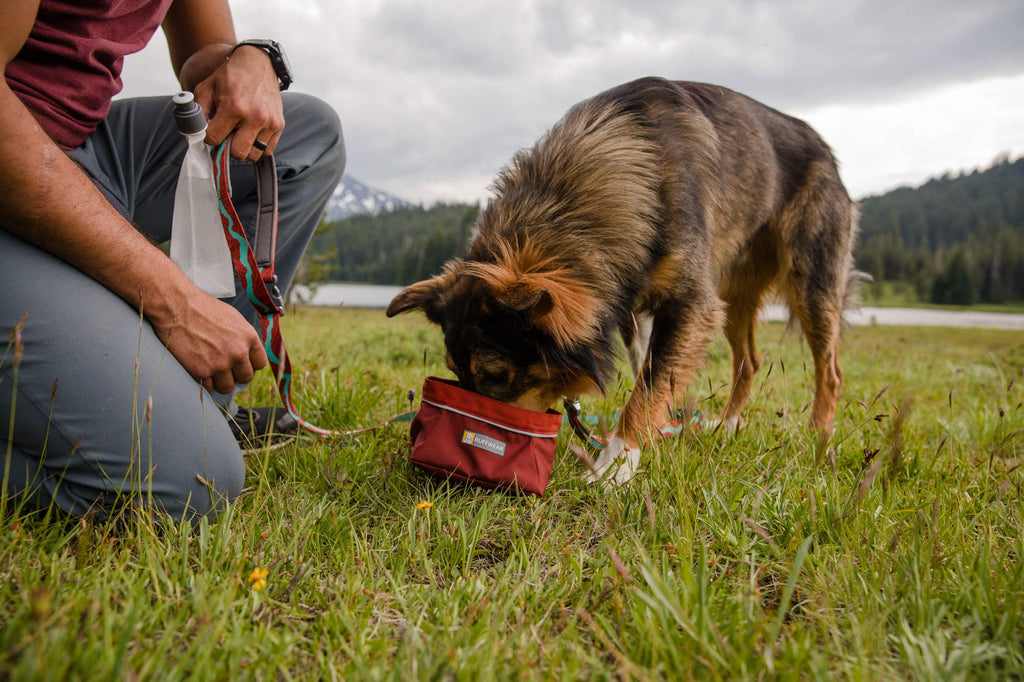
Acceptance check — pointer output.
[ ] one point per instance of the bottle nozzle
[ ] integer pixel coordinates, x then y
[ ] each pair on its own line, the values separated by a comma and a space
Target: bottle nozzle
188, 115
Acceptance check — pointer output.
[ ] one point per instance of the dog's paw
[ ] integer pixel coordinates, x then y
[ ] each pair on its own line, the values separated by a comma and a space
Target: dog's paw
729, 426
617, 463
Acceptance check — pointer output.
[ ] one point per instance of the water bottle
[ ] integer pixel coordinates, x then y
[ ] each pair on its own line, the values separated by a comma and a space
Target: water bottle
198, 245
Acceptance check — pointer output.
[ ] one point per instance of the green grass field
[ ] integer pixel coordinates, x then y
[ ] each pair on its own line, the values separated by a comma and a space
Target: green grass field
898, 554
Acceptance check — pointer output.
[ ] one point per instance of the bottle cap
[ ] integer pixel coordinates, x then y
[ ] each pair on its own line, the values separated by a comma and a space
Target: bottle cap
188, 115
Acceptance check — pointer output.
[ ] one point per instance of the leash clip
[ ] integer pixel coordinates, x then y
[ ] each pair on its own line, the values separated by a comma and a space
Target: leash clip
572, 411
275, 295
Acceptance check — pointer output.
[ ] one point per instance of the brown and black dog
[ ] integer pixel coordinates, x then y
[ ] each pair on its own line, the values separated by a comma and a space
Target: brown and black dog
652, 210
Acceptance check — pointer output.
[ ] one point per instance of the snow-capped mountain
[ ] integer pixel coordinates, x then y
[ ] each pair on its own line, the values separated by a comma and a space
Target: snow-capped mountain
352, 197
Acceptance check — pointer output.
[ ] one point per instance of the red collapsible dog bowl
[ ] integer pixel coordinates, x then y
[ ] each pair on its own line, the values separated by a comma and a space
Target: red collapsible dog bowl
463, 435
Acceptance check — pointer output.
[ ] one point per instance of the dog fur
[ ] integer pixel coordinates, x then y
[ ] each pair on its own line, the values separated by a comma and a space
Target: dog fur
656, 210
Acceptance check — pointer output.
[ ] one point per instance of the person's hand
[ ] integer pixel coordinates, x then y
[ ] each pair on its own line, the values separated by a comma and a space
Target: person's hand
243, 97
212, 341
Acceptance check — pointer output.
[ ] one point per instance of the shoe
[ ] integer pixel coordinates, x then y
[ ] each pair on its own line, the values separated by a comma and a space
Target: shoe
259, 426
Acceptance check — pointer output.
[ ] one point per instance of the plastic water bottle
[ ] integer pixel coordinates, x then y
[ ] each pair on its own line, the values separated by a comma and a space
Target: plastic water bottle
198, 245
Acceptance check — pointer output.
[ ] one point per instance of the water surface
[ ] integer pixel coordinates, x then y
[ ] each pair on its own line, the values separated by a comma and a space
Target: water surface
377, 296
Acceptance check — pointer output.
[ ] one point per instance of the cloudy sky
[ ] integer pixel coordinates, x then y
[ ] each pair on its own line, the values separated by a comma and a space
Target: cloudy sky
435, 96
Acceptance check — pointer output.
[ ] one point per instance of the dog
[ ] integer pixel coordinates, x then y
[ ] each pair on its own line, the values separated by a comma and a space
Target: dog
656, 211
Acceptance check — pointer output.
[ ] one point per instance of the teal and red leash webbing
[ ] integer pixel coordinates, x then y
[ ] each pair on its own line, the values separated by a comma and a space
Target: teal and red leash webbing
674, 427
256, 272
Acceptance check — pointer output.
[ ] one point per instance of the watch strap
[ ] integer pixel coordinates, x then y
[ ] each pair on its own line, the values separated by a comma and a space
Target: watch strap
277, 59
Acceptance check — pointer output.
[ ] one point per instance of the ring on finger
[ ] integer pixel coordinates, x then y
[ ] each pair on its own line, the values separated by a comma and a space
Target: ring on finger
262, 146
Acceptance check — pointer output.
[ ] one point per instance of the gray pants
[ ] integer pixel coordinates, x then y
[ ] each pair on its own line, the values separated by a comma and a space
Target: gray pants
82, 437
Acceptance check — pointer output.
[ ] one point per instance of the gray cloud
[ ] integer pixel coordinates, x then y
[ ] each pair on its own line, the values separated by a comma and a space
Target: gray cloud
436, 96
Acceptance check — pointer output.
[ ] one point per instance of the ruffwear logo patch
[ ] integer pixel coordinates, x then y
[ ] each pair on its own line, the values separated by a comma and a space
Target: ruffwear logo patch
486, 443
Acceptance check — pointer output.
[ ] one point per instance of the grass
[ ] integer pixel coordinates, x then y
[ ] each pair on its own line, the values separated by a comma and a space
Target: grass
897, 554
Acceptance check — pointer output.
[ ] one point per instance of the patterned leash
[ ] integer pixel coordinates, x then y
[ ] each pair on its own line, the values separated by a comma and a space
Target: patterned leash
670, 429
254, 265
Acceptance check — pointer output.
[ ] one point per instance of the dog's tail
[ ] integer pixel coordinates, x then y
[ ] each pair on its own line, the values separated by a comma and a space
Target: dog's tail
854, 281
855, 278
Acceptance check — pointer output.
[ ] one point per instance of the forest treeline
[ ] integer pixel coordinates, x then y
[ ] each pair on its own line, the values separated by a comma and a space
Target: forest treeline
957, 239
400, 246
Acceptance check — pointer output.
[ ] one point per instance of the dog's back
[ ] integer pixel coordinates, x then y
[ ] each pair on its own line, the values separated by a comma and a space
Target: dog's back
603, 192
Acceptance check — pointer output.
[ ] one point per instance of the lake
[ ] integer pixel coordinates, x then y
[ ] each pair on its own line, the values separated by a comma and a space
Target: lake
378, 296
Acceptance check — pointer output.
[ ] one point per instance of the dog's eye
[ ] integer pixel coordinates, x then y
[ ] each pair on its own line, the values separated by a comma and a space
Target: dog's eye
495, 377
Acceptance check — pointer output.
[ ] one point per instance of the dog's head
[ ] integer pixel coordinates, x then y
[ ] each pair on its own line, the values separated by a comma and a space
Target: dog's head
524, 336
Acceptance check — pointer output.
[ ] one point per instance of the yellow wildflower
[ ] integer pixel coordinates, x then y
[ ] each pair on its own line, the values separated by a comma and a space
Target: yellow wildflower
425, 504
258, 578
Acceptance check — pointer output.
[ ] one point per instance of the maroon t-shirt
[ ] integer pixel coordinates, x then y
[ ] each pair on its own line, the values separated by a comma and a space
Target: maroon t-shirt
70, 66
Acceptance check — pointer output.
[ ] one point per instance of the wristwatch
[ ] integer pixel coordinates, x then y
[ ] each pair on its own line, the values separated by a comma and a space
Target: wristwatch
277, 58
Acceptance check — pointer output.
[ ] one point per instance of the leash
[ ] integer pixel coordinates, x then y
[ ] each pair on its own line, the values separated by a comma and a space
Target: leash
254, 265
573, 413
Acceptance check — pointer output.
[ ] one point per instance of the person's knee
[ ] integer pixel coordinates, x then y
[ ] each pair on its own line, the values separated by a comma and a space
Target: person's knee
332, 138
182, 493
322, 137
207, 486
184, 475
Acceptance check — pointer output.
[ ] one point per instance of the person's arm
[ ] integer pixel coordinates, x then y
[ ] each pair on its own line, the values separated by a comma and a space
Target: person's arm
48, 201
238, 88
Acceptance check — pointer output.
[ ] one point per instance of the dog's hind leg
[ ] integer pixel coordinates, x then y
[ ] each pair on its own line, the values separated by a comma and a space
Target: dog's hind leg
742, 289
819, 236
820, 319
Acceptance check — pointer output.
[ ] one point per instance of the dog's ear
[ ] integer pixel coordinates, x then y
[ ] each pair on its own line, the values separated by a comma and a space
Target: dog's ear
426, 296
551, 303
552, 300
555, 305
534, 302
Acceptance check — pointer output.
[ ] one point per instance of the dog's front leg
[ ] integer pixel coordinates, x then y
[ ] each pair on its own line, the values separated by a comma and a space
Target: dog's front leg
617, 463
679, 338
